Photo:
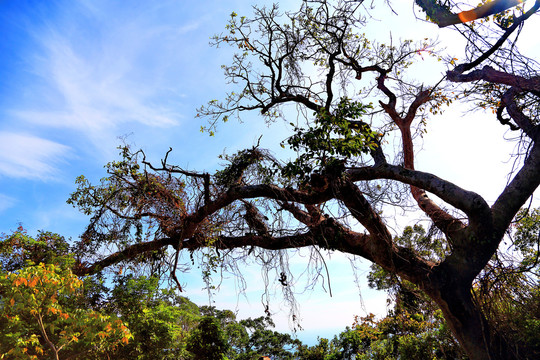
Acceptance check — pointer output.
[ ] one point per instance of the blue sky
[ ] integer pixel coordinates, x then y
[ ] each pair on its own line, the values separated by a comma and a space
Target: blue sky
78, 75
75, 76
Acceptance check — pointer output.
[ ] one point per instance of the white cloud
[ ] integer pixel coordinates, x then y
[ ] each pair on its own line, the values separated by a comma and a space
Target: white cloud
31, 157
6, 202
97, 89
103, 73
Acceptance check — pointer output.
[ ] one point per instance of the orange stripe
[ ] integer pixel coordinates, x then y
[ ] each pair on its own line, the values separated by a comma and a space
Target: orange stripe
466, 16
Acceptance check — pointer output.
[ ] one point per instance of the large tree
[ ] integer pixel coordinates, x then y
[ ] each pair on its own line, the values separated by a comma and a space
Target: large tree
349, 95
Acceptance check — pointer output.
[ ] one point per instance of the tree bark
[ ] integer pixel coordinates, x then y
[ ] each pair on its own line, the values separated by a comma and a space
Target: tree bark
469, 325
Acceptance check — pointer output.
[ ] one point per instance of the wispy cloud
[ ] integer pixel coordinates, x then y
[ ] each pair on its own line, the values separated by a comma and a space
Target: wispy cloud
30, 157
111, 72
6, 202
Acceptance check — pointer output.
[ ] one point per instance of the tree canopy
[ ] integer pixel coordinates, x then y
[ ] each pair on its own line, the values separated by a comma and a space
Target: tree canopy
47, 312
344, 96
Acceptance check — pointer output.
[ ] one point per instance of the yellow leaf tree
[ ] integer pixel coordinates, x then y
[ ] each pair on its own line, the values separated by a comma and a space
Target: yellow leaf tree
39, 318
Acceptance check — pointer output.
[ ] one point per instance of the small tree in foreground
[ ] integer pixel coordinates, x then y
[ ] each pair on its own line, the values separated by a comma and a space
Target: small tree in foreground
39, 319
349, 94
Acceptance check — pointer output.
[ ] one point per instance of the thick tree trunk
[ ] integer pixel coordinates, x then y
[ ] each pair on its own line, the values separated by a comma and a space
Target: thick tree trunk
469, 325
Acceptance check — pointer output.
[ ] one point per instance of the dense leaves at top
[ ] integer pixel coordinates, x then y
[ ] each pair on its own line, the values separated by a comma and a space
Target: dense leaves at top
333, 139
